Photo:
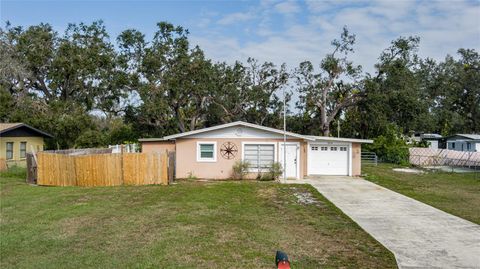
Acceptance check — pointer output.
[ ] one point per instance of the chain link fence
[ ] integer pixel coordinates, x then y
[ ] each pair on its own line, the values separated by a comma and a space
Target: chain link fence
446, 160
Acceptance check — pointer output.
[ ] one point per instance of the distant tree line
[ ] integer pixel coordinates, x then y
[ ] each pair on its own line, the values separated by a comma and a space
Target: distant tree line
89, 91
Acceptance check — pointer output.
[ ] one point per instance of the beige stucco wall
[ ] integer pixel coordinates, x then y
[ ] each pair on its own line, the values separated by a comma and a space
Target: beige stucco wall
36, 142
356, 159
187, 165
158, 146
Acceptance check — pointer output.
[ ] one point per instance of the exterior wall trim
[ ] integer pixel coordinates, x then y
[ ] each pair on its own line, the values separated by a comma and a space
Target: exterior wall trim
275, 152
280, 144
347, 144
199, 159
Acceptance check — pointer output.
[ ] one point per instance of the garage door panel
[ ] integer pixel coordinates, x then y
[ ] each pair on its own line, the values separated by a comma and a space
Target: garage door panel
328, 160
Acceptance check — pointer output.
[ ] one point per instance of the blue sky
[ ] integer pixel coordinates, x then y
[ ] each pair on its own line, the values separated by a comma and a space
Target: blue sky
278, 31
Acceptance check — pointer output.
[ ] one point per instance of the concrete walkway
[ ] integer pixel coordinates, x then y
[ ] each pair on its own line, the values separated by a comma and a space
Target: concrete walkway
419, 235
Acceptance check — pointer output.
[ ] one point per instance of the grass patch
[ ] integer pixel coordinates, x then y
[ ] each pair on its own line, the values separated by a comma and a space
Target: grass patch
187, 225
455, 193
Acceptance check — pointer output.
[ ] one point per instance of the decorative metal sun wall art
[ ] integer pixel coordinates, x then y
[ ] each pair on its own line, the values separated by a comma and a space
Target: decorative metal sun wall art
228, 150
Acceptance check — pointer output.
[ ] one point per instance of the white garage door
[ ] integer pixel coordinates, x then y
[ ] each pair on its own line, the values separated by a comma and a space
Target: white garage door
327, 159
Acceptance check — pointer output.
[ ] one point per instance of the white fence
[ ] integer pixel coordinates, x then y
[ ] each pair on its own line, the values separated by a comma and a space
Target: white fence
443, 157
129, 148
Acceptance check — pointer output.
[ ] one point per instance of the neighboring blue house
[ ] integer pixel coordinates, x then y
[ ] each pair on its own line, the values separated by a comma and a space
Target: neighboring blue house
463, 142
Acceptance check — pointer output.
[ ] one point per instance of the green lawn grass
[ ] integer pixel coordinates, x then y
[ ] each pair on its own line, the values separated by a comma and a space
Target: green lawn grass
455, 193
187, 225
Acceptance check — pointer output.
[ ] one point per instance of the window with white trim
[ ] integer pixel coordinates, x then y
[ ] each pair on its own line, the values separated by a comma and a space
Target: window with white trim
206, 152
333, 148
343, 148
259, 156
324, 148
314, 148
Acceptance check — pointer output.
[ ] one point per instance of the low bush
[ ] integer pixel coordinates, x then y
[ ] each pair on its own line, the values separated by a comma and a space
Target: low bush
273, 173
240, 170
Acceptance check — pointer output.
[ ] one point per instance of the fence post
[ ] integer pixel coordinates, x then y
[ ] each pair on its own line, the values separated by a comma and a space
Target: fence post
31, 169
171, 166
122, 166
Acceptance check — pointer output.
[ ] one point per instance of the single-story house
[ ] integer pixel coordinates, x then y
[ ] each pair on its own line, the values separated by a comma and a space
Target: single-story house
211, 152
463, 142
434, 140
18, 139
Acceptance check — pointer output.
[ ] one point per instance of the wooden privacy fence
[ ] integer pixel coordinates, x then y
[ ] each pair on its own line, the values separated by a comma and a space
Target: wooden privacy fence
103, 169
3, 164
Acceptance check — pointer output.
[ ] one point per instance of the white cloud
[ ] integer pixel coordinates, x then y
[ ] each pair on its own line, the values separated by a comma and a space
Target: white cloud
442, 26
287, 7
235, 18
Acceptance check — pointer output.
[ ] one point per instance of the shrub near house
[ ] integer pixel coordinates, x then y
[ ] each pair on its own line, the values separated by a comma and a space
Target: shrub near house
390, 147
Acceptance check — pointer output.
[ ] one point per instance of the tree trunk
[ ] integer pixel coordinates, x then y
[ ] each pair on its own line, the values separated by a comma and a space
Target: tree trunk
193, 123
180, 122
326, 129
325, 125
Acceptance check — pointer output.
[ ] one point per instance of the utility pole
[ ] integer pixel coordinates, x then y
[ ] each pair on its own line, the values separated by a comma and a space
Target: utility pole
338, 128
284, 136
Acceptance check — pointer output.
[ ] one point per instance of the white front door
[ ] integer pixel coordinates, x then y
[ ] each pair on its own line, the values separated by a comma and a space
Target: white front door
328, 159
292, 163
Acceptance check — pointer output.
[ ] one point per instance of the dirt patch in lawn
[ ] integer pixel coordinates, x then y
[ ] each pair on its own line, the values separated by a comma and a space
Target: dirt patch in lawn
306, 198
408, 170
69, 227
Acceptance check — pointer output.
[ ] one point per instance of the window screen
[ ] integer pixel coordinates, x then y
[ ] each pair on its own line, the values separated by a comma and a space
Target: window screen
206, 151
23, 149
9, 150
259, 155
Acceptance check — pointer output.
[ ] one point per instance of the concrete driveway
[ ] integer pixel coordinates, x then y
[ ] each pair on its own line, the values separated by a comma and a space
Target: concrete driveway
419, 235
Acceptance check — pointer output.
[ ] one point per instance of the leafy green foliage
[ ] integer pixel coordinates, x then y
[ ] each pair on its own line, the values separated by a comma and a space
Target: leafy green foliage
240, 169
326, 94
390, 147
87, 90
420, 144
274, 172
418, 94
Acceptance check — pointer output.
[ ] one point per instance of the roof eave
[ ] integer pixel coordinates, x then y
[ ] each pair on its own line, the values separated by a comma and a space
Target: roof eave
28, 126
352, 140
153, 139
